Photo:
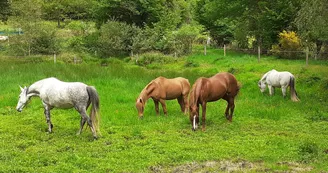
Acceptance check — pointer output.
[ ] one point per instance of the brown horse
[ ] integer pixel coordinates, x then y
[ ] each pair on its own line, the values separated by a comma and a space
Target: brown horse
161, 89
222, 85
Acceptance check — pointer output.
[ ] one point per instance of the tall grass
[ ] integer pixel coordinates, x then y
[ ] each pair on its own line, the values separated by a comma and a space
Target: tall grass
272, 132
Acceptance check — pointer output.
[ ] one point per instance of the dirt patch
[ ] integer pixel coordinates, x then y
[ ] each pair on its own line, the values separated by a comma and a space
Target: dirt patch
230, 166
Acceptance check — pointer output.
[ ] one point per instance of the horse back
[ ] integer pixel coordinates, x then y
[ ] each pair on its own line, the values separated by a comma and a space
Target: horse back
278, 79
64, 94
172, 88
221, 85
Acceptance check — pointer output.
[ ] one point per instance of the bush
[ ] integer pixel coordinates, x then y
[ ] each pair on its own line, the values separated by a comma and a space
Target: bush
289, 46
190, 63
112, 39
39, 40
154, 57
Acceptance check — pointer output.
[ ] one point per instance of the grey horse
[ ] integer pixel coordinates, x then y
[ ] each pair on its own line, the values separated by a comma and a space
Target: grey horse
57, 94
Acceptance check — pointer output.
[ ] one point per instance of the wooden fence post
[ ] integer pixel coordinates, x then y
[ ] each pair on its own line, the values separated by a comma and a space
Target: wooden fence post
54, 57
205, 49
258, 53
307, 55
224, 50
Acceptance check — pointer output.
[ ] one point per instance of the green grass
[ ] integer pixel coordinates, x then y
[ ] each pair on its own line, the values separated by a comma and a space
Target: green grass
271, 133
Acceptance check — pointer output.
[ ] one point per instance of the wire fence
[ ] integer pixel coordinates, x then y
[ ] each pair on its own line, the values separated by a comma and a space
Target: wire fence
299, 54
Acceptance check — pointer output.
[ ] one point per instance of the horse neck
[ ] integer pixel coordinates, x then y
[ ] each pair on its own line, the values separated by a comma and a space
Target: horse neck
146, 93
35, 88
265, 76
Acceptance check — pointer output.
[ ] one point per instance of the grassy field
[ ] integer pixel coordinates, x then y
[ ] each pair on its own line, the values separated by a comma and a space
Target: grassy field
267, 133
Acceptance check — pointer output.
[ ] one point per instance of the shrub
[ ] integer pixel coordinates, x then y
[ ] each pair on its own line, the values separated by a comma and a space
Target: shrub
112, 39
40, 40
154, 57
289, 45
190, 63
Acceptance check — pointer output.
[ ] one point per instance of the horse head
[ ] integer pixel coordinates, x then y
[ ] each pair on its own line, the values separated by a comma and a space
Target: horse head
193, 116
140, 107
261, 85
23, 98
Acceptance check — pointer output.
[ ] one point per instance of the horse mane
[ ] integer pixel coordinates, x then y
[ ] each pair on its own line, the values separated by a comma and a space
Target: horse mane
147, 90
266, 74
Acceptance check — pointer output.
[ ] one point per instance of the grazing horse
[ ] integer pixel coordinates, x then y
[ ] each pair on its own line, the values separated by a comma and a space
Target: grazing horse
222, 85
279, 79
161, 89
57, 94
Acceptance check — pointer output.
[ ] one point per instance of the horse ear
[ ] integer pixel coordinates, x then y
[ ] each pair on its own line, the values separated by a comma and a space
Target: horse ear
21, 88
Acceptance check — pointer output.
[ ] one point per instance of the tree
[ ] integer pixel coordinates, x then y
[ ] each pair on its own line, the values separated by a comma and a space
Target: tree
59, 10
246, 18
36, 36
4, 10
312, 22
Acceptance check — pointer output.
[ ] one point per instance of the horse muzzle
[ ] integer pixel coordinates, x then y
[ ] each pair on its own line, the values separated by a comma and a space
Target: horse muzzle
141, 117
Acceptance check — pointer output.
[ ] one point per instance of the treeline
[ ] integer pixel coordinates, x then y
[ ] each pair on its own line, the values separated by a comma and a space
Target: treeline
121, 27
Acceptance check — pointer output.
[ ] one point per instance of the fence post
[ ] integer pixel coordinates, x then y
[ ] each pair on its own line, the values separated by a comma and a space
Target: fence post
224, 50
258, 53
54, 57
307, 55
205, 49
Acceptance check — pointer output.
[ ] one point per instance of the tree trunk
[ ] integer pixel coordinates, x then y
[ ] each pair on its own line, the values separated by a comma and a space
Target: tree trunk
319, 45
58, 23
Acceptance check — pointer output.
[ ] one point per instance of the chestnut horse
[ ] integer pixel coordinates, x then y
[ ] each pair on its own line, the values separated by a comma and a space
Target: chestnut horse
222, 85
161, 89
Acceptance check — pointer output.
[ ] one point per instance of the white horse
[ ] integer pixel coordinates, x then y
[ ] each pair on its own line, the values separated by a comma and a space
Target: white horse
55, 93
283, 79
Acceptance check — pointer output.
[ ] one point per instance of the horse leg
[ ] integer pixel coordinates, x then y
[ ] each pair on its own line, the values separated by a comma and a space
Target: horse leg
181, 103
185, 102
270, 90
283, 89
82, 122
156, 107
85, 118
47, 109
232, 108
227, 110
203, 115
163, 106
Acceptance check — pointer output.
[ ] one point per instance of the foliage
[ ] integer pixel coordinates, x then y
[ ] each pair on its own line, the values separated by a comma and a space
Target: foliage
185, 37
241, 19
39, 40
153, 58
289, 44
112, 39
312, 22
4, 10
61, 10
168, 26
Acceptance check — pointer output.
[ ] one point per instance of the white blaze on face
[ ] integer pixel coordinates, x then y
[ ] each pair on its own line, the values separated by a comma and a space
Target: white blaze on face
194, 123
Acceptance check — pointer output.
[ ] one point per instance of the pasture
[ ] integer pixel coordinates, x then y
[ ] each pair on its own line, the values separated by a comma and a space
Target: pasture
266, 134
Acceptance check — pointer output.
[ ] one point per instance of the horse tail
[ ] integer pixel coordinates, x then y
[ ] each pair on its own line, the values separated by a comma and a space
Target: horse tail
94, 112
293, 93
238, 88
